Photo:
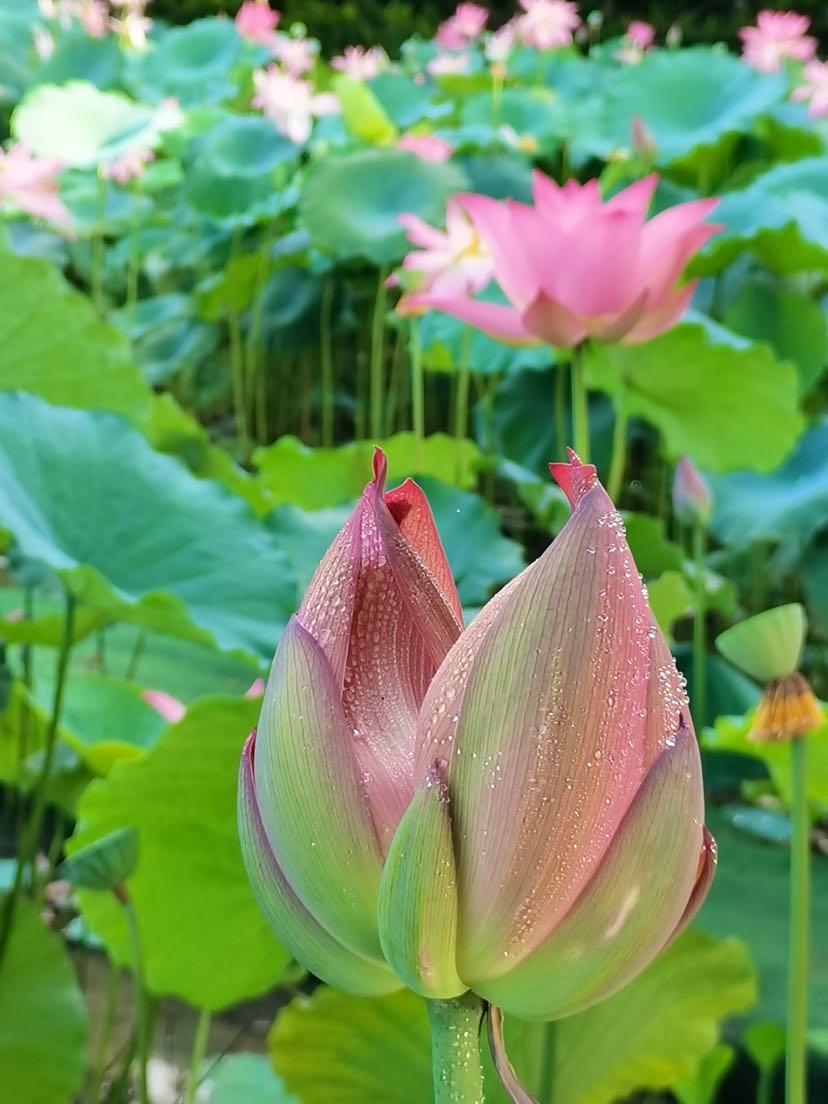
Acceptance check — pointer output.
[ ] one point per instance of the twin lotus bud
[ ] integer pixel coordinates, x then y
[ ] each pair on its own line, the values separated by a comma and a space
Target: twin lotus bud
515, 809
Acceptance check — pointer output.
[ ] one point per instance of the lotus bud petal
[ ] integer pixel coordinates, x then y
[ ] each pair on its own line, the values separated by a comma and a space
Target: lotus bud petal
333, 769
418, 895
767, 646
692, 502
574, 780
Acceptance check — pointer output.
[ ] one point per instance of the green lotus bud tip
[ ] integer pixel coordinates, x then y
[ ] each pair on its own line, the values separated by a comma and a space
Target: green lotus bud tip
767, 646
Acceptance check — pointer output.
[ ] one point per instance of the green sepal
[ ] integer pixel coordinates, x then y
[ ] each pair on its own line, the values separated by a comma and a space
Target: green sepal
418, 895
767, 646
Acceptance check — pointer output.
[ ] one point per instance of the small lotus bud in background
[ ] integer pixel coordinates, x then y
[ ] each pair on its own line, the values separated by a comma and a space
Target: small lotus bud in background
643, 142
692, 501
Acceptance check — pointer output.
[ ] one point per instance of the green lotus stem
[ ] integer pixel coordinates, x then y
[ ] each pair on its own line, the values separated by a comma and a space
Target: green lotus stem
237, 377
764, 1090
796, 1063
580, 407
461, 401
98, 1064
326, 357
140, 998
618, 462
197, 1055
34, 825
561, 435
455, 1049
699, 617
417, 383
253, 379
378, 357
547, 1069
135, 654
96, 276
497, 95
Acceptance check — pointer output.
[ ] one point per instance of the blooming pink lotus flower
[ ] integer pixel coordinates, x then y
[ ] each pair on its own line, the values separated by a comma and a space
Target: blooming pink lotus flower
448, 65
330, 771
450, 262
639, 38
93, 16
500, 44
692, 501
546, 24
427, 147
168, 707
256, 21
466, 24
297, 55
776, 37
574, 267
127, 168
814, 91
360, 64
556, 837
29, 184
290, 102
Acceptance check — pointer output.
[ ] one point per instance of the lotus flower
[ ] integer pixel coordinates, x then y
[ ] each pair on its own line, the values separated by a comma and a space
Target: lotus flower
451, 262
814, 89
290, 102
360, 64
466, 23
555, 844
330, 772
428, 147
297, 55
573, 267
256, 21
546, 24
30, 184
692, 502
776, 37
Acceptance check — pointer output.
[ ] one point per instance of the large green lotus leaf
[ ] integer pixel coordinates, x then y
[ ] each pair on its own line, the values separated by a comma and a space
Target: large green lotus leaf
204, 938
167, 338
749, 900
191, 64
730, 733
445, 340
532, 112
688, 100
712, 402
53, 344
346, 1050
789, 504
499, 175
133, 533
15, 48
306, 535
782, 216
405, 102
372, 189
793, 324
80, 125
241, 1079
42, 1016
78, 56
244, 145
317, 478
815, 578
652, 551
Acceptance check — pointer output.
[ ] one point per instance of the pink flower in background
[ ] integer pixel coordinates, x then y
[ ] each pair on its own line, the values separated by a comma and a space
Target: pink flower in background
815, 89
776, 37
467, 23
640, 34
30, 184
133, 28
256, 22
448, 65
427, 147
290, 102
127, 168
500, 44
547, 24
255, 689
93, 16
170, 708
454, 261
692, 501
572, 266
360, 64
44, 42
297, 55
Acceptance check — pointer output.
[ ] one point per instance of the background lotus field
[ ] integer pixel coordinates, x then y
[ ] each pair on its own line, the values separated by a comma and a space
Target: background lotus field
199, 349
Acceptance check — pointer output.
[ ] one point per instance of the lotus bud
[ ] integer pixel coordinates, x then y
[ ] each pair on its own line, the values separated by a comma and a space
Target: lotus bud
556, 842
768, 647
329, 773
692, 502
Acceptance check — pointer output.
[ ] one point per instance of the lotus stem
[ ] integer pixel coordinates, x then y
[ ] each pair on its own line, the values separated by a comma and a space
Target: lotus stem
547, 1075
237, 376
618, 462
417, 383
141, 1021
326, 356
461, 400
561, 435
198, 1054
580, 407
96, 275
455, 1050
34, 825
378, 357
796, 1064
699, 618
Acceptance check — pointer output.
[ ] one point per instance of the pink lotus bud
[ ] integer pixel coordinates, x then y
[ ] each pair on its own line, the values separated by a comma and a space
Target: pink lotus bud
256, 22
691, 495
643, 142
327, 778
572, 266
170, 708
559, 817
